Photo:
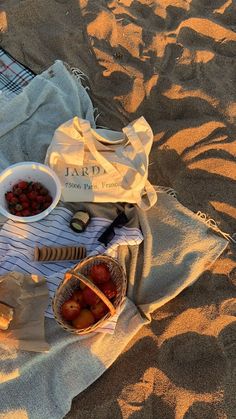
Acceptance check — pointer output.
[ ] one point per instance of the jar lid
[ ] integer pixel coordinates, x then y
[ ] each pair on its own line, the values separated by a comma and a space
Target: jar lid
79, 221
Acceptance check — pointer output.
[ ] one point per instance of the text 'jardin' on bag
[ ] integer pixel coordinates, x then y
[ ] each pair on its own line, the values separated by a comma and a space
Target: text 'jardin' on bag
100, 165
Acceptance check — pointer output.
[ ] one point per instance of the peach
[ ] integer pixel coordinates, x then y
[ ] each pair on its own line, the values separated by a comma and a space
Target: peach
99, 310
84, 319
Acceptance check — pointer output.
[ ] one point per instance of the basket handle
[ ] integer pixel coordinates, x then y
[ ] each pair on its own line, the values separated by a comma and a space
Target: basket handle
95, 289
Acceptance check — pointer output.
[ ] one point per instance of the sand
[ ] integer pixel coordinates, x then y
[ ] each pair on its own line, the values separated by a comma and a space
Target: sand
174, 63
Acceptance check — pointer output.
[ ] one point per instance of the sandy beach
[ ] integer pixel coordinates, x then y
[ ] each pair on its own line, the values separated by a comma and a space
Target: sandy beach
174, 62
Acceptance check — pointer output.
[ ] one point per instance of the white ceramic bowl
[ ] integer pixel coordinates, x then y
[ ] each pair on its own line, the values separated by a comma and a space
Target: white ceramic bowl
29, 171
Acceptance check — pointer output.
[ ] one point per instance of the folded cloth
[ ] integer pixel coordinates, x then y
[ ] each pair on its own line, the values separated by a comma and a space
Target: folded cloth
18, 242
50, 99
176, 249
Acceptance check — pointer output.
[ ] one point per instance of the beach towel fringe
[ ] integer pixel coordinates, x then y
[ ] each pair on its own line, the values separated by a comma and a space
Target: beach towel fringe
211, 223
79, 75
96, 115
167, 190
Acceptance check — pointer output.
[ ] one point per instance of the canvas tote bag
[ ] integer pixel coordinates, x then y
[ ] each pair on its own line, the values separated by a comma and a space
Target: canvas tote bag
99, 165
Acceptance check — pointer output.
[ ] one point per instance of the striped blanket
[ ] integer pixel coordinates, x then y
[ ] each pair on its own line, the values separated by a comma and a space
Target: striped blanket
13, 75
17, 243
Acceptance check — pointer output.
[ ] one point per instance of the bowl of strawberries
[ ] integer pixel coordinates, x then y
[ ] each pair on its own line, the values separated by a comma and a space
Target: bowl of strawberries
90, 294
28, 191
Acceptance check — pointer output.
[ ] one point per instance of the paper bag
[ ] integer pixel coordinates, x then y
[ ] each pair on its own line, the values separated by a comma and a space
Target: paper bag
28, 296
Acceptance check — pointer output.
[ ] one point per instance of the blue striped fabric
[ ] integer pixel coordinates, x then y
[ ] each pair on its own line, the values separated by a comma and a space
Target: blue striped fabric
18, 240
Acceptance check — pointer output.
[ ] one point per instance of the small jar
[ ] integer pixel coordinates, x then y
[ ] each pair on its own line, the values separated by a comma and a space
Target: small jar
80, 221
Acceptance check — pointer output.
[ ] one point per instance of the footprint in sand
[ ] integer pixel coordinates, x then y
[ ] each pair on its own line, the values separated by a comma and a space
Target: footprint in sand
232, 276
228, 307
204, 410
199, 33
228, 339
193, 361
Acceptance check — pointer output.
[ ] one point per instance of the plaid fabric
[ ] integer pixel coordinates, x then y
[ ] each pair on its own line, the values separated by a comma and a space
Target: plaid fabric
13, 75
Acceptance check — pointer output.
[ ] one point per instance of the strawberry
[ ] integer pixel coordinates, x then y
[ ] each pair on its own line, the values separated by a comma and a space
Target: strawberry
40, 198
43, 191
22, 184
14, 200
46, 205
25, 204
9, 196
36, 186
28, 198
29, 187
17, 191
23, 198
35, 205
32, 195
26, 213
48, 198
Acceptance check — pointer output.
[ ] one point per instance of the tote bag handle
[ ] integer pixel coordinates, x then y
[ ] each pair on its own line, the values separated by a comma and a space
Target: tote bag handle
139, 162
148, 198
89, 141
149, 193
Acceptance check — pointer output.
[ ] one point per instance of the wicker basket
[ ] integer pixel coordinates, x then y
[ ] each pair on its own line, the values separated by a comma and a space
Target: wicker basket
79, 273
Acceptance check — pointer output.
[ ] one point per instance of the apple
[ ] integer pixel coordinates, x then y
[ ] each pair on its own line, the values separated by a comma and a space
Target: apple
100, 273
84, 319
82, 285
109, 289
78, 296
70, 309
90, 297
99, 310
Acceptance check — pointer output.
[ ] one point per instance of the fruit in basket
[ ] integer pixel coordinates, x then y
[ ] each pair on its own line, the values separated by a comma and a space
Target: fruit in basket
70, 309
99, 310
27, 198
89, 296
84, 319
100, 273
109, 289
78, 296
82, 285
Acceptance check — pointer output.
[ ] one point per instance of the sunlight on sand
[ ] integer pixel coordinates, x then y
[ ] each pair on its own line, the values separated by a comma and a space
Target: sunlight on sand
3, 22
9, 376
15, 414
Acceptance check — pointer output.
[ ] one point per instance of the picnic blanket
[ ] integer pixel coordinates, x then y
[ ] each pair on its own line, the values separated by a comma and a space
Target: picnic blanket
18, 242
178, 246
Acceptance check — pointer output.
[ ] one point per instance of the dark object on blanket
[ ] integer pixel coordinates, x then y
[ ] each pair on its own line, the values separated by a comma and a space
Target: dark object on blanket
79, 221
49, 254
109, 233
